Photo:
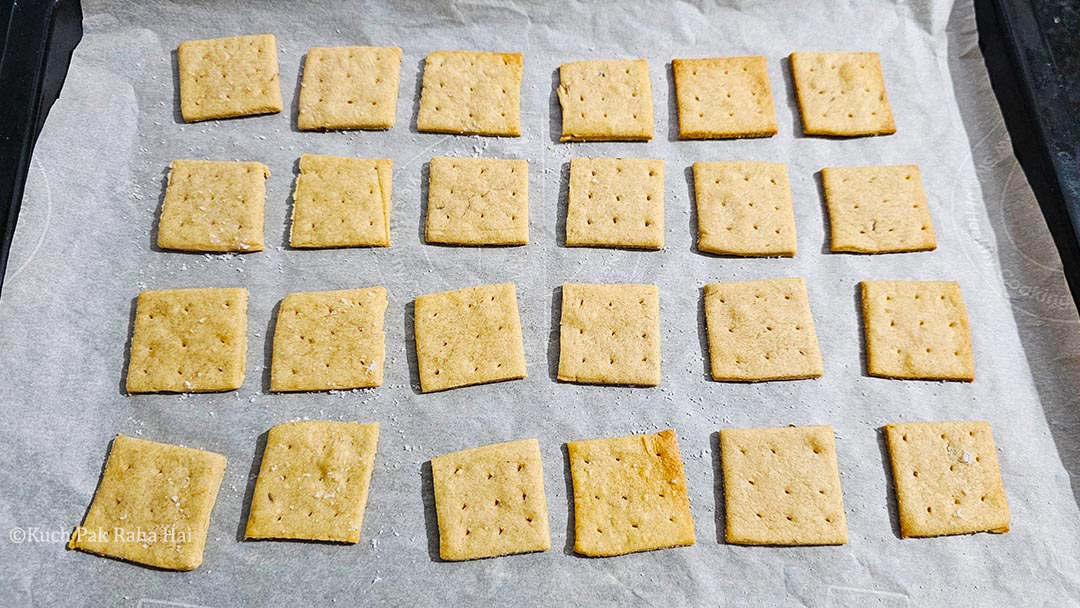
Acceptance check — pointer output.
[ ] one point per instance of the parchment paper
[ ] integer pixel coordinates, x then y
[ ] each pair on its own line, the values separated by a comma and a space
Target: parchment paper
85, 248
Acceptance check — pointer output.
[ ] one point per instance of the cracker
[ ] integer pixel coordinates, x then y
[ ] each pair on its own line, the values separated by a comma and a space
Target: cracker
946, 478
782, 487
349, 87
615, 202
213, 206
841, 94
329, 340
877, 209
468, 336
722, 98
490, 501
227, 77
629, 495
313, 481
471, 93
610, 334
606, 100
744, 208
761, 330
916, 330
478, 201
188, 341
153, 504
341, 202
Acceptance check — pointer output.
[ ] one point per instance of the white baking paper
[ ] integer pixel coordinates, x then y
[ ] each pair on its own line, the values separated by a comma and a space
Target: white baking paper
85, 248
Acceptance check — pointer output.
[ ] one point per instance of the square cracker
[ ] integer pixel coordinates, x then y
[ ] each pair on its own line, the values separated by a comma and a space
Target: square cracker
213, 206
490, 501
744, 208
471, 93
946, 478
468, 336
761, 330
782, 487
349, 87
917, 330
606, 100
610, 334
329, 340
629, 495
188, 341
341, 202
723, 98
153, 504
227, 77
841, 94
877, 209
615, 202
478, 201
313, 481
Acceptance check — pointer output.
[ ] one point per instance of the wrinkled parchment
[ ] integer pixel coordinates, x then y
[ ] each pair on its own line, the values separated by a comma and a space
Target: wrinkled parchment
85, 248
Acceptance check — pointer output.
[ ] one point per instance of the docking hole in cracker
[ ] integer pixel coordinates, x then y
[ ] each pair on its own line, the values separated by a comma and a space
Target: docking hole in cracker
213, 206
468, 336
629, 495
228, 77
313, 481
490, 501
153, 504
188, 341
782, 487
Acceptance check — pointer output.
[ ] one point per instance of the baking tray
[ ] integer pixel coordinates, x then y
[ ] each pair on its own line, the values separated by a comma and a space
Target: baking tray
75, 295
1032, 52
38, 38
